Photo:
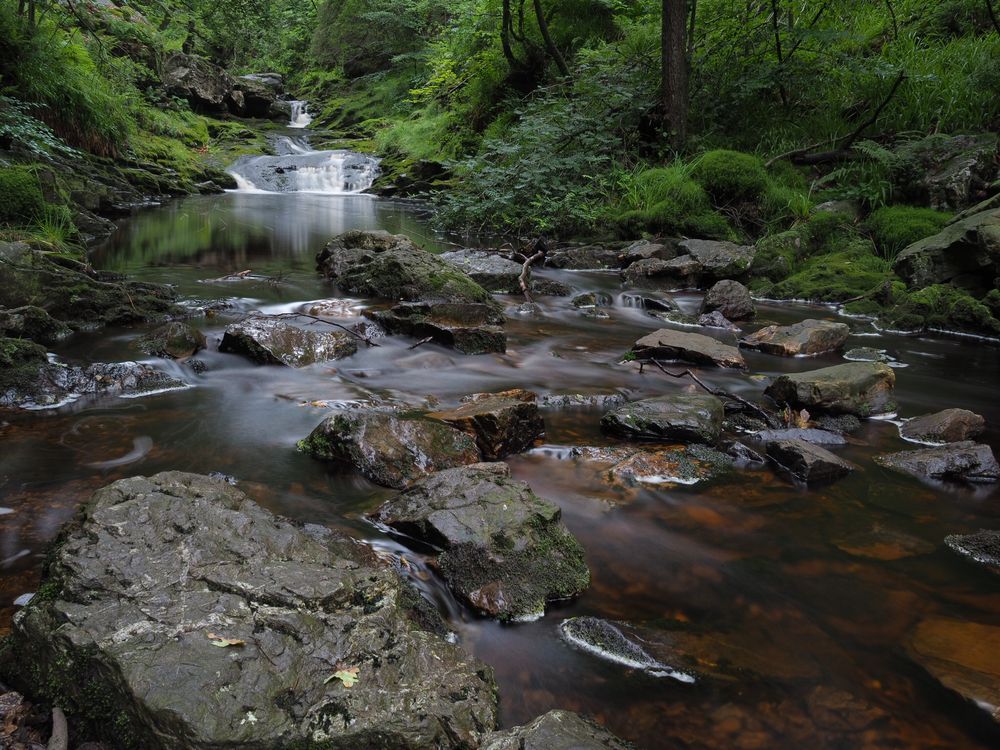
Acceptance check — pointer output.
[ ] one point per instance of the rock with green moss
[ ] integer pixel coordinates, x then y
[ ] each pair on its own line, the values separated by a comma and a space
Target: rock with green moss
492, 271
274, 341
730, 176
31, 322
393, 450
175, 340
718, 260
893, 228
834, 277
505, 550
965, 254
863, 389
21, 199
236, 628
940, 307
556, 730
469, 327
682, 417
946, 172
502, 423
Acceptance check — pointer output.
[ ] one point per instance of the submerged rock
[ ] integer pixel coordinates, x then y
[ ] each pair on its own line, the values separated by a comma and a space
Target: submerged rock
174, 340
388, 449
502, 424
556, 730
982, 547
969, 461
731, 299
948, 426
668, 344
505, 550
198, 619
690, 418
863, 389
471, 328
807, 337
880, 543
807, 462
273, 341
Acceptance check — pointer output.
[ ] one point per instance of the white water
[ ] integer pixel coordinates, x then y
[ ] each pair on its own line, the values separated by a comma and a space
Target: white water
297, 168
300, 115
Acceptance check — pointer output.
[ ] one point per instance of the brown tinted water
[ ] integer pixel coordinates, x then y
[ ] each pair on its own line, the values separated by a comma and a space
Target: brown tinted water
818, 588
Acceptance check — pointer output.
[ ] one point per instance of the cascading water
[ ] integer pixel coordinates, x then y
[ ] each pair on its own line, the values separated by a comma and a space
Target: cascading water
300, 115
297, 168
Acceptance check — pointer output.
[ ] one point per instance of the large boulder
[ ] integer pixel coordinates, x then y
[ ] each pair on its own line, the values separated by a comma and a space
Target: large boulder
968, 461
469, 327
379, 264
654, 273
947, 172
863, 389
807, 462
947, 426
806, 434
177, 613
719, 260
491, 271
275, 341
806, 337
505, 550
668, 344
646, 249
502, 424
731, 299
256, 97
965, 253
556, 730
33, 323
388, 449
206, 86
684, 417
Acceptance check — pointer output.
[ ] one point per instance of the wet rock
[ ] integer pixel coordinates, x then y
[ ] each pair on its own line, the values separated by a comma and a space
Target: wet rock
948, 426
502, 424
717, 320
744, 453
691, 418
548, 287
388, 449
836, 710
807, 462
593, 299
731, 299
556, 730
296, 603
982, 547
679, 464
868, 354
968, 461
645, 250
505, 550
491, 271
804, 338
273, 341
863, 389
379, 264
580, 400
808, 434
205, 85
34, 323
661, 303
280, 110
469, 327
176, 340
668, 344
585, 258
679, 273
963, 657
843, 424
252, 97
878, 543
719, 260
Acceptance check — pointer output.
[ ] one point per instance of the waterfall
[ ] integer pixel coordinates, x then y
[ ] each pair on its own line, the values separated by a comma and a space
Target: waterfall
297, 168
300, 115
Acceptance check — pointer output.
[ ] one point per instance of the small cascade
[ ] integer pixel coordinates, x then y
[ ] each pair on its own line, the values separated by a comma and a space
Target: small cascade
297, 168
300, 115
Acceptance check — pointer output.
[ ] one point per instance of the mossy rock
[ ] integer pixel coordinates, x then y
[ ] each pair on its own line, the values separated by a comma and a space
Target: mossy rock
731, 176
21, 199
893, 228
835, 277
20, 361
943, 307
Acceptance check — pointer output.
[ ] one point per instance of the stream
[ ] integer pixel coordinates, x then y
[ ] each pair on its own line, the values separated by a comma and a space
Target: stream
829, 580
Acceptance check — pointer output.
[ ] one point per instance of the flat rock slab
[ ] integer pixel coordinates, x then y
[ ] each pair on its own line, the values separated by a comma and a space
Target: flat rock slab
505, 550
668, 344
684, 417
584, 258
274, 341
677, 464
471, 328
201, 620
863, 389
677, 273
491, 271
948, 426
806, 337
719, 260
391, 450
968, 461
808, 434
981, 547
556, 730
502, 424
963, 656
807, 462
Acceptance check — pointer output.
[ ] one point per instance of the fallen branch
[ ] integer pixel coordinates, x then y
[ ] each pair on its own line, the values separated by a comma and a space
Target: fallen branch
525, 278
317, 319
427, 340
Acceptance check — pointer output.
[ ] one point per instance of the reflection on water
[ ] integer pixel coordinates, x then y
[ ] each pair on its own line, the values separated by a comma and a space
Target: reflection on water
816, 589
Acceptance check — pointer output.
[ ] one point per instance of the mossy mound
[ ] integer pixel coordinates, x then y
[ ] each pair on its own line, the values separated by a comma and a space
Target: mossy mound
834, 277
19, 362
21, 199
731, 176
668, 201
894, 227
942, 307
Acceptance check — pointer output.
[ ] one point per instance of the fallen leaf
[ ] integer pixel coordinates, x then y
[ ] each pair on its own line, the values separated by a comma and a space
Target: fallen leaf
222, 642
348, 676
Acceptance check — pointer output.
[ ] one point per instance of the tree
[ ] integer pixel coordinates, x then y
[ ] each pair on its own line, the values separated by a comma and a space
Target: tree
673, 48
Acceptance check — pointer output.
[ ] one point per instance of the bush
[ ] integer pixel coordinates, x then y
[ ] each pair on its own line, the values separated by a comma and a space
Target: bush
892, 228
21, 199
730, 176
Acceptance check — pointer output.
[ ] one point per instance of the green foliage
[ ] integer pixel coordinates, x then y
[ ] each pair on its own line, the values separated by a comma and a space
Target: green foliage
18, 126
730, 176
894, 227
666, 201
867, 178
21, 199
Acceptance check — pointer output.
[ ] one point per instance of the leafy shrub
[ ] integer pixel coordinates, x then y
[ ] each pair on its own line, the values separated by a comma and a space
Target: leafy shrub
21, 199
730, 176
894, 227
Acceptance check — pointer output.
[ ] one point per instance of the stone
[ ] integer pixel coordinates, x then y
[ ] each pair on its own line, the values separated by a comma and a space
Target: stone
836, 710
280, 110
863, 389
584, 258
678, 273
963, 657
556, 730
668, 344
178, 613
502, 424
580, 400
949, 173
491, 271
34, 323
717, 320
843, 424
807, 462
660, 303
505, 550
592, 299
388, 449
808, 337
645, 250
274, 341
684, 417
879, 543
968, 461
731, 299
982, 547
469, 327
255, 97
175, 340
379, 264
948, 426
548, 287
719, 260
205, 85
808, 434
678, 464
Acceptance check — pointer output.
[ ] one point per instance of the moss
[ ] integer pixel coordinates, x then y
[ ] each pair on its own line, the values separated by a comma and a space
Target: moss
731, 176
941, 307
893, 228
20, 361
21, 199
835, 277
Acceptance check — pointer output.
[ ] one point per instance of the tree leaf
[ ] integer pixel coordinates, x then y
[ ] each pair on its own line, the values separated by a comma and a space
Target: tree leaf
223, 642
348, 676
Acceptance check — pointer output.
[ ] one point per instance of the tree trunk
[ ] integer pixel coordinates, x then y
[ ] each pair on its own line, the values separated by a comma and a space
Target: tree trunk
550, 45
675, 69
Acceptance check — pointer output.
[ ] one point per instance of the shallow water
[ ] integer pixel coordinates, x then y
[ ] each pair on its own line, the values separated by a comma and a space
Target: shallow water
784, 572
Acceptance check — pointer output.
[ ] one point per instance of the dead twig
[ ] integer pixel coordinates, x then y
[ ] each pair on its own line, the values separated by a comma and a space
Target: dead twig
524, 279
427, 340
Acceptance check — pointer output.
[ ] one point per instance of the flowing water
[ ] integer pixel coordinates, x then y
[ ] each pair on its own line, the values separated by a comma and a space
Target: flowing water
297, 168
820, 586
300, 115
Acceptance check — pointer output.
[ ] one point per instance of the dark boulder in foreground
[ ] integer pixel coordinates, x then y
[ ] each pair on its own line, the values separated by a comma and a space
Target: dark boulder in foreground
388, 449
863, 389
948, 426
501, 423
981, 547
469, 327
968, 461
668, 344
807, 462
807, 337
684, 417
556, 730
505, 550
274, 341
179, 614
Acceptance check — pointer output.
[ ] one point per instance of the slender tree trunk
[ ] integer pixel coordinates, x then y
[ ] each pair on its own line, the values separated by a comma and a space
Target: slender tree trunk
993, 15
775, 20
506, 25
674, 65
550, 46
